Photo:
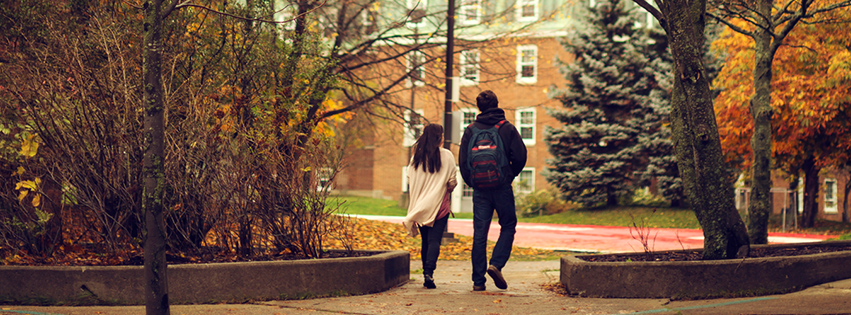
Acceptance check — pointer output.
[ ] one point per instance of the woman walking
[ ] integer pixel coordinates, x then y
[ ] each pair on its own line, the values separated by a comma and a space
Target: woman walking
431, 177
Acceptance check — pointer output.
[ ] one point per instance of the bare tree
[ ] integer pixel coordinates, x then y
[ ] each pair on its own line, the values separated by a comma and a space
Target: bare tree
696, 139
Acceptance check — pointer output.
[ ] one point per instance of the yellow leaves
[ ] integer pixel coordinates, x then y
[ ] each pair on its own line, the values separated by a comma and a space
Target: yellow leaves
378, 235
839, 69
29, 146
25, 187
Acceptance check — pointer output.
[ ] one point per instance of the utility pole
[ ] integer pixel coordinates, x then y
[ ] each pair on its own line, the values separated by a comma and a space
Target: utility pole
450, 47
447, 105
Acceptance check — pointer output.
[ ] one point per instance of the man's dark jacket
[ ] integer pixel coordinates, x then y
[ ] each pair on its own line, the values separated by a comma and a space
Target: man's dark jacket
514, 147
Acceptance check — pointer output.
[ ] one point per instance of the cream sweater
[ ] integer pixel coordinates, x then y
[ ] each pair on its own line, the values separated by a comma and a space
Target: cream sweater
426, 191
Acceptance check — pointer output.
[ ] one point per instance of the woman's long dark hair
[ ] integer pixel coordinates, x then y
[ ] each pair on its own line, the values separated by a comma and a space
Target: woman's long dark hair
427, 148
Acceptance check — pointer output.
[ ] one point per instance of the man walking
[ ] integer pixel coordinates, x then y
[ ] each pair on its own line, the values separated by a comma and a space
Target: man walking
489, 164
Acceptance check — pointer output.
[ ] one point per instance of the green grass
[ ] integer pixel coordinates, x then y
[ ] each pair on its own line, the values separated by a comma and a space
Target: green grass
624, 216
372, 206
367, 206
673, 218
620, 216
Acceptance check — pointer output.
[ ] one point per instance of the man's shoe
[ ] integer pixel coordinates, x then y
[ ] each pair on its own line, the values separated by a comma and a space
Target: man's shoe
496, 275
478, 287
429, 282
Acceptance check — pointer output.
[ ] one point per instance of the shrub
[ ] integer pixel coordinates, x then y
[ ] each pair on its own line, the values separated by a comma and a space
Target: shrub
541, 202
643, 197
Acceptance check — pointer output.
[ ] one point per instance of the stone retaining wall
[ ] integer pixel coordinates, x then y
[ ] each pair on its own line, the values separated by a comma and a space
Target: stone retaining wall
704, 279
207, 283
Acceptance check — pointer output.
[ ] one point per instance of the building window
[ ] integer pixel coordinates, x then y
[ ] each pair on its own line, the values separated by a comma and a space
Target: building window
525, 182
471, 11
413, 126
323, 177
468, 116
592, 3
416, 69
416, 13
527, 10
469, 67
466, 191
830, 196
527, 64
525, 122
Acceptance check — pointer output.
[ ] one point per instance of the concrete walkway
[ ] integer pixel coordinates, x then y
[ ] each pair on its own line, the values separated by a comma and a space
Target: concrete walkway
525, 295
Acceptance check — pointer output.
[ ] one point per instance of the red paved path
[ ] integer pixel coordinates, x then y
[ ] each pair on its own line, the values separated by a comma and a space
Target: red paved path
600, 238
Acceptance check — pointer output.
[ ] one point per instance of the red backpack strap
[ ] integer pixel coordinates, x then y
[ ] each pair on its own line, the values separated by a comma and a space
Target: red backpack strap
500, 123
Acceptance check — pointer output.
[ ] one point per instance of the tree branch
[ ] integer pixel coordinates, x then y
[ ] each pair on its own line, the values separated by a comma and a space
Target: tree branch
655, 12
187, 4
731, 25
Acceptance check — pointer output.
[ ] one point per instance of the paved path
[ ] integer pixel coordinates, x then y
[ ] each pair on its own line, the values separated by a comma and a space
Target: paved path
602, 239
525, 295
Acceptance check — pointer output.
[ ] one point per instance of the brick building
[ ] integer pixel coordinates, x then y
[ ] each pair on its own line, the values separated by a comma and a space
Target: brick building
505, 46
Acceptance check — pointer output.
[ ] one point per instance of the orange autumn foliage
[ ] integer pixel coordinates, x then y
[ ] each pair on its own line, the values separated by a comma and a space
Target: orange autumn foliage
810, 95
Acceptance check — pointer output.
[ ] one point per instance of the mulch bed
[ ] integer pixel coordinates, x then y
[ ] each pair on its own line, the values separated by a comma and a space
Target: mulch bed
697, 255
203, 257
99, 255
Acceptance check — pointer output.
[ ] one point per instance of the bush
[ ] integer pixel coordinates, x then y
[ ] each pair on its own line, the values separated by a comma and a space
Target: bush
642, 197
541, 202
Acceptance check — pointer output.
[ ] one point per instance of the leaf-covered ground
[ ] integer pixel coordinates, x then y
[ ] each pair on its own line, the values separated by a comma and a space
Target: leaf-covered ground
362, 234
381, 235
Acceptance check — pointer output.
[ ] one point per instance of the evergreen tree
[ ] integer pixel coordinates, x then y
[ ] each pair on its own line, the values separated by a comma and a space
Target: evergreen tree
656, 140
615, 105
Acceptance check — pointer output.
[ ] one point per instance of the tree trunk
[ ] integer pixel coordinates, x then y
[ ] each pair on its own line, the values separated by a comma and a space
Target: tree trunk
612, 200
760, 108
845, 199
156, 282
696, 139
811, 187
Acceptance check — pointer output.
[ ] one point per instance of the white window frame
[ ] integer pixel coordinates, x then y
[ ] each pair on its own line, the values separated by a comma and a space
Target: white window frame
830, 199
410, 136
742, 195
531, 186
324, 174
405, 178
519, 8
800, 195
521, 63
416, 54
419, 5
521, 123
466, 122
468, 6
468, 64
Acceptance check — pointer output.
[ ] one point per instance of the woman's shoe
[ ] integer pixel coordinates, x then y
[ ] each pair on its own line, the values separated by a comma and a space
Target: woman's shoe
429, 282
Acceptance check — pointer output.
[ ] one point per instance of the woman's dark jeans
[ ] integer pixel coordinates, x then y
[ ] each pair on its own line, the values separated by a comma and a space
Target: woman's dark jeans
432, 235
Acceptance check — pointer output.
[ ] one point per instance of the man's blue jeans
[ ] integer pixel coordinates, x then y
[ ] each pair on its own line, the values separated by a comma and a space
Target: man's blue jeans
484, 204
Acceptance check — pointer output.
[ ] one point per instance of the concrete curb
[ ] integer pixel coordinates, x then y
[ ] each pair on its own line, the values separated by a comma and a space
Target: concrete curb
207, 283
704, 279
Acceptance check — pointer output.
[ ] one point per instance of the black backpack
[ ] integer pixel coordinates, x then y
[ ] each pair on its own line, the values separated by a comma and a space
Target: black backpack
486, 157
